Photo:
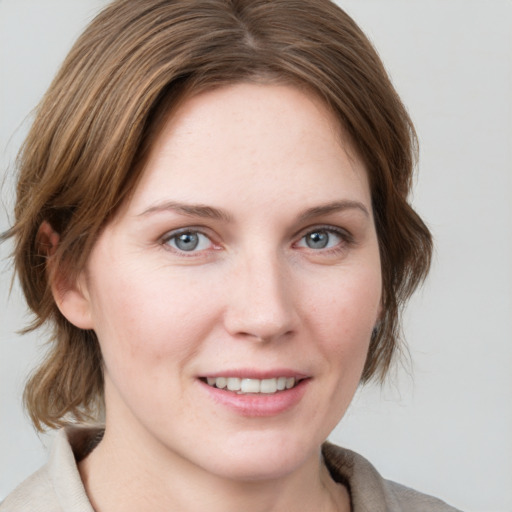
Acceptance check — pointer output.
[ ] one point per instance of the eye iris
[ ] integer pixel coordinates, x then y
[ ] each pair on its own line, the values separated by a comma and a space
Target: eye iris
317, 240
187, 241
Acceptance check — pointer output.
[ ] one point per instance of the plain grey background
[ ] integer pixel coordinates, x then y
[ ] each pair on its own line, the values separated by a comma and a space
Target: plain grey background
443, 424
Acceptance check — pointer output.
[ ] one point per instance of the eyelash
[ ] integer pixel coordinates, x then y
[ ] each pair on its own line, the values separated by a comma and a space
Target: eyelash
173, 235
346, 239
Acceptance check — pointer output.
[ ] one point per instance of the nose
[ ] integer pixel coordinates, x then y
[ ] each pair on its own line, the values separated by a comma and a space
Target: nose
261, 304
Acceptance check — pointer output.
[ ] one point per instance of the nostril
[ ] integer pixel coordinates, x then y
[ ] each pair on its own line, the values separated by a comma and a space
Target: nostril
270, 336
261, 307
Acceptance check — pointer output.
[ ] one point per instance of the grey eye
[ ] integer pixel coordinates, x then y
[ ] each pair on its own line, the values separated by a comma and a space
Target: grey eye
317, 239
186, 241
321, 238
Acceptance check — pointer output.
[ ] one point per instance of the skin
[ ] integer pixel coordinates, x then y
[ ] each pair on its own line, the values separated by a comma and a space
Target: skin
254, 294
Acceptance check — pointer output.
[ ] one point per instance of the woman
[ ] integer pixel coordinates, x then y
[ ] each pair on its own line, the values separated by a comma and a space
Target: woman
212, 214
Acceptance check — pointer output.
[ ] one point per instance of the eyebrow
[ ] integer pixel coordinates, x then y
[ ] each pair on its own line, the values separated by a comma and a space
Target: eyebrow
190, 210
333, 207
210, 212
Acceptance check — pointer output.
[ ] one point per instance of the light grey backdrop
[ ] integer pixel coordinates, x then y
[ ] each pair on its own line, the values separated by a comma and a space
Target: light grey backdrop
444, 426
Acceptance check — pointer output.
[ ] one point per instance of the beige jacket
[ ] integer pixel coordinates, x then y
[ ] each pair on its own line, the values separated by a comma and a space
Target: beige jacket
57, 486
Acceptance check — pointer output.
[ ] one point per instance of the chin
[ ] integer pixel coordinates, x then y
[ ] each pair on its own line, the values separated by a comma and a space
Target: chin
261, 457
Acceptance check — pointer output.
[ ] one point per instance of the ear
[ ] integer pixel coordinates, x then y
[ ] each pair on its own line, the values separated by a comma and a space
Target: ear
69, 293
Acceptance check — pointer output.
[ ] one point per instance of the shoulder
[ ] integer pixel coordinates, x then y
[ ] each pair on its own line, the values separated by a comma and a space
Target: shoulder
57, 486
36, 493
412, 500
370, 491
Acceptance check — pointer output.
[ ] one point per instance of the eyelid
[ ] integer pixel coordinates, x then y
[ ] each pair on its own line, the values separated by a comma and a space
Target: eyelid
346, 238
169, 235
342, 232
179, 231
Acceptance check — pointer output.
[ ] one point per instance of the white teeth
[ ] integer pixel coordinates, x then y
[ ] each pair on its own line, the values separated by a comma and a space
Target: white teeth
266, 386
221, 382
250, 386
234, 383
281, 383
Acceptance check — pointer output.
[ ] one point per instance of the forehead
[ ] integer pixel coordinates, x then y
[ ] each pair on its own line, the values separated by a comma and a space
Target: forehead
253, 141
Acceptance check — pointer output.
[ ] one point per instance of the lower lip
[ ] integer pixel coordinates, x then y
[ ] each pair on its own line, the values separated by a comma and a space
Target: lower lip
258, 405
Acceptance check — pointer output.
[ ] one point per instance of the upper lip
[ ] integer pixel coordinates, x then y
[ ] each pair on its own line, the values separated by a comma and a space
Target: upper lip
251, 373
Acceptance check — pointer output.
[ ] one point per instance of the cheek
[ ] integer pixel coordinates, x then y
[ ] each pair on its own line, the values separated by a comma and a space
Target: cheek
146, 318
343, 313
349, 301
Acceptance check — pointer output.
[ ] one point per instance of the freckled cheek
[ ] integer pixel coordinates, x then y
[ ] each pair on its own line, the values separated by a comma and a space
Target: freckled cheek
152, 317
344, 312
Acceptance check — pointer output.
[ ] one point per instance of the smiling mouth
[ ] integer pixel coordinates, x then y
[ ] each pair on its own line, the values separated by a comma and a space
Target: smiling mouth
252, 386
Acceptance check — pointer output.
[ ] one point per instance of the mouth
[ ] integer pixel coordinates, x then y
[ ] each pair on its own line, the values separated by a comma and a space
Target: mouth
250, 386
256, 393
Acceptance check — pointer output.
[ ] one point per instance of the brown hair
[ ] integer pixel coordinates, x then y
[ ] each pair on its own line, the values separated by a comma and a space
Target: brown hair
93, 128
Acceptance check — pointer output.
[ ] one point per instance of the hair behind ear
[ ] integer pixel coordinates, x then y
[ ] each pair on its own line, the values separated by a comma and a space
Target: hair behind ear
60, 392
68, 288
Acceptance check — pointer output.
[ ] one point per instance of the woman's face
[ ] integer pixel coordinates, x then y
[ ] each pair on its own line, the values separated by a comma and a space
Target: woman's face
248, 258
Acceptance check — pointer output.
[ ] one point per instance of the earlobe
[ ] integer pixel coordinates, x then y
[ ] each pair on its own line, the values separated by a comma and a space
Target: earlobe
69, 292
72, 299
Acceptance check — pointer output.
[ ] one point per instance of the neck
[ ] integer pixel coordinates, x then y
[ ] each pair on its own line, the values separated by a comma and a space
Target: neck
134, 474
